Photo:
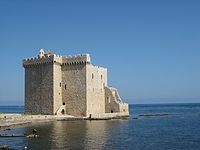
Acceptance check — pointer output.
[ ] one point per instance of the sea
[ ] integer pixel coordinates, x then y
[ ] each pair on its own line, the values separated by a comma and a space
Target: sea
178, 129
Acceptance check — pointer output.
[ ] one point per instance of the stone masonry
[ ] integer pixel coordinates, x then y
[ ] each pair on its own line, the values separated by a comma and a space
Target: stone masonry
68, 85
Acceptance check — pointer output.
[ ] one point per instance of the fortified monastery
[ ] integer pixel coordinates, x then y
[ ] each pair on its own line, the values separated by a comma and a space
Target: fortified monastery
68, 85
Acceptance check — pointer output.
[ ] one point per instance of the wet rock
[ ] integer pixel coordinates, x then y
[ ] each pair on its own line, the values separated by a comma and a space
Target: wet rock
34, 131
135, 118
5, 147
32, 136
153, 115
7, 129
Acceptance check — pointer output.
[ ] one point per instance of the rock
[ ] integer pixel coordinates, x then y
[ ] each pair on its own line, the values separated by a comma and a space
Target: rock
154, 115
34, 131
5, 147
32, 136
135, 118
7, 129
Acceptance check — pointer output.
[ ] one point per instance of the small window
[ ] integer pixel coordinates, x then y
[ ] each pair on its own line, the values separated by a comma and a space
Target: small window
65, 86
92, 76
60, 84
101, 77
108, 99
63, 103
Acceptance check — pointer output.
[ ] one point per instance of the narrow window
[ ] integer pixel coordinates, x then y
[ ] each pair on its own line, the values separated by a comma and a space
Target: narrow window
108, 99
92, 76
65, 86
101, 77
60, 84
63, 103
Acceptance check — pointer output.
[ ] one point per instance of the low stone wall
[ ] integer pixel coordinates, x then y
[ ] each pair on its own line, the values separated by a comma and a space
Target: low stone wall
15, 119
110, 115
7, 120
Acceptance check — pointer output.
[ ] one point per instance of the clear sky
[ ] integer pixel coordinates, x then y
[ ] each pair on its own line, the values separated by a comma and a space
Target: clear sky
150, 47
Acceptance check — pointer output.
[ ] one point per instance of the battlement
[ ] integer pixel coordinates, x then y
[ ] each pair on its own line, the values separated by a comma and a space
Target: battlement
48, 59
99, 68
76, 59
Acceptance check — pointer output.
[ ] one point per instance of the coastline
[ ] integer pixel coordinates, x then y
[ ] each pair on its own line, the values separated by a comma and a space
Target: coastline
12, 120
9, 120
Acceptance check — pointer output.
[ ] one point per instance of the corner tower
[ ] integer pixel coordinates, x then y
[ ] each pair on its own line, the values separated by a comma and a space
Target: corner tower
42, 79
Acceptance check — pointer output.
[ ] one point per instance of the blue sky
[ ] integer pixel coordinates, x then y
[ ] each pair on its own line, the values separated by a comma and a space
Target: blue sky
151, 48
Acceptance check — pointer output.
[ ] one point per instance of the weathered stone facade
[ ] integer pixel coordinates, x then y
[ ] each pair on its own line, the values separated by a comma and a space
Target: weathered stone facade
68, 85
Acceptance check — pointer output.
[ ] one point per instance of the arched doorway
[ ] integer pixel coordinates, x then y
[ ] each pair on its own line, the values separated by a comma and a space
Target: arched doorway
63, 112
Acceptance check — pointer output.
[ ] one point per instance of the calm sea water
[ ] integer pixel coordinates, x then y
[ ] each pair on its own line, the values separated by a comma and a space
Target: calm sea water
178, 131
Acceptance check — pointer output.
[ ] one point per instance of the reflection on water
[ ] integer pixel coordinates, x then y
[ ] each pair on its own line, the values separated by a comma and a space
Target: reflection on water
66, 135
72, 134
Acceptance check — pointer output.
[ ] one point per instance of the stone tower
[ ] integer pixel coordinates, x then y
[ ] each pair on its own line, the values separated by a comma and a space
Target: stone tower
42, 73
68, 85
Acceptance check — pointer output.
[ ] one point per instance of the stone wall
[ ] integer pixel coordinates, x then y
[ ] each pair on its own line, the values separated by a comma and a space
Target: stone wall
110, 115
57, 87
113, 101
96, 79
39, 89
74, 89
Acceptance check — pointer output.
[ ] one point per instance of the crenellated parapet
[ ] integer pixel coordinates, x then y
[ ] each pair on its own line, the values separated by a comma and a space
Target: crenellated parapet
42, 60
49, 58
76, 59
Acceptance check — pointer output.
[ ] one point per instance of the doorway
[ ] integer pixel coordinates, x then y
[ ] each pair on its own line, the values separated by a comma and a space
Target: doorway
63, 112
